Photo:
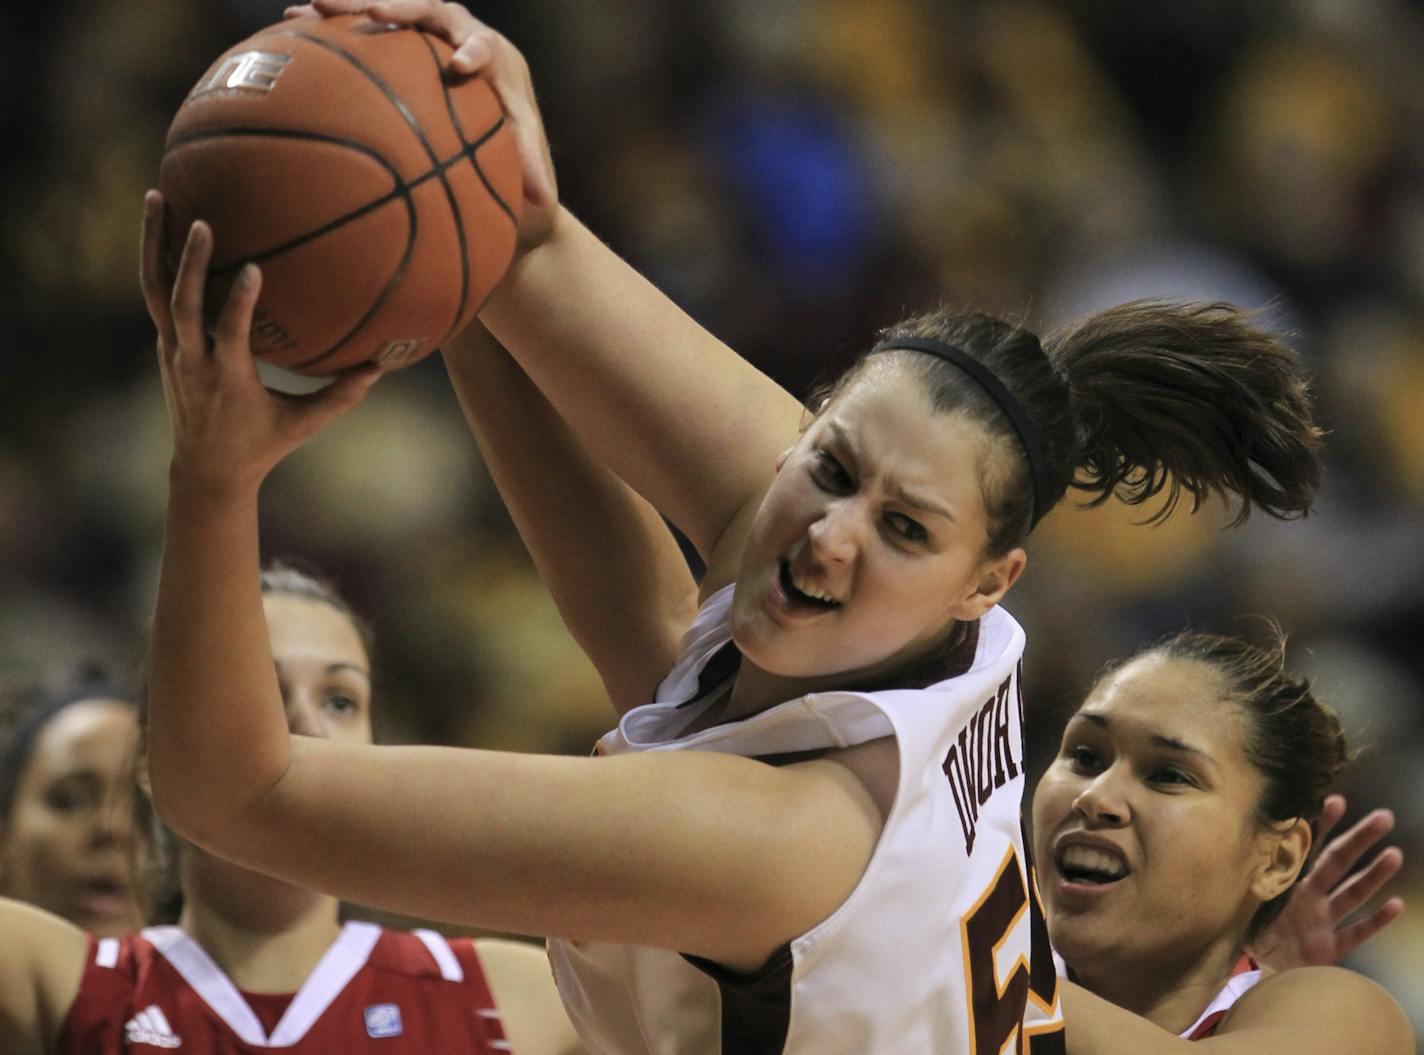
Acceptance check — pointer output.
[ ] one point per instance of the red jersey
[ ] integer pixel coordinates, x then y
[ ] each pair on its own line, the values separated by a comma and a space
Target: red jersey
377, 991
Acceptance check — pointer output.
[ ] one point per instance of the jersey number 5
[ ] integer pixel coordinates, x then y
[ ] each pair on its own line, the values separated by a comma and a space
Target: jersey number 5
997, 1008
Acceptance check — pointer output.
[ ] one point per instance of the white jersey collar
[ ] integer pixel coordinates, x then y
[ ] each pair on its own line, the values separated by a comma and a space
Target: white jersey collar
338, 965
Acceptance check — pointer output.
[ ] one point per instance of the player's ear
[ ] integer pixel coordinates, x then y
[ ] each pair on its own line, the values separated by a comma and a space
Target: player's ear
141, 777
1284, 849
992, 582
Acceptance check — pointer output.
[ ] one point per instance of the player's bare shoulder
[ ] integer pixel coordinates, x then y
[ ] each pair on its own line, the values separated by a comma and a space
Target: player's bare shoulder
42, 960
1332, 1008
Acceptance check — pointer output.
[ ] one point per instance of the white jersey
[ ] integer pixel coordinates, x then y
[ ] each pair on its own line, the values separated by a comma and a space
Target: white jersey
931, 951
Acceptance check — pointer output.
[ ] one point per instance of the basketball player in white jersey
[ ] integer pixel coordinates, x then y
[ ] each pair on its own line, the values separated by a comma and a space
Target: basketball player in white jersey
1169, 832
252, 963
809, 841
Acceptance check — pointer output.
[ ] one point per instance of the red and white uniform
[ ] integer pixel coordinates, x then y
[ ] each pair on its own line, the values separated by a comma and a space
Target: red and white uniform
929, 955
374, 991
1245, 975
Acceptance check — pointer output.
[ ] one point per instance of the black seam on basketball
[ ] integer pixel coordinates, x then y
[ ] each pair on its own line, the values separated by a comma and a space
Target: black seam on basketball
454, 205
410, 119
479, 170
375, 78
391, 285
400, 189
472, 147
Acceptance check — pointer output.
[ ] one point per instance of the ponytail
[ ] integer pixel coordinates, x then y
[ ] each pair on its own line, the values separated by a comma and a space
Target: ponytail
1188, 397
1145, 398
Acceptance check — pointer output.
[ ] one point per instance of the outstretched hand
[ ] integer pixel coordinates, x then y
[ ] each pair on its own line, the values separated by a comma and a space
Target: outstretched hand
1312, 931
478, 50
229, 430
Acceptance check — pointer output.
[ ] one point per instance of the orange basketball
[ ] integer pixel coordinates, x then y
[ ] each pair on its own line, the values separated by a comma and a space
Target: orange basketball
379, 195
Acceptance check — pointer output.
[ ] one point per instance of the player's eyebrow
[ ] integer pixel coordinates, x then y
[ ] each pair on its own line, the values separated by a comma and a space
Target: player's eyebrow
923, 503
1171, 743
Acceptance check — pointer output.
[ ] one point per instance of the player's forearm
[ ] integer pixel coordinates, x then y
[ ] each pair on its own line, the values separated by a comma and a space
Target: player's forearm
654, 395
217, 734
613, 568
1095, 1026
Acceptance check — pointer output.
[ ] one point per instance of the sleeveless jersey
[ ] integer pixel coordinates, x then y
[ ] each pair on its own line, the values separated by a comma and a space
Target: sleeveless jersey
373, 991
940, 948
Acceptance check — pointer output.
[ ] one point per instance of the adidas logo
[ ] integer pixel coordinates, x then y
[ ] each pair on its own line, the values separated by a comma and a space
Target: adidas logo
151, 1027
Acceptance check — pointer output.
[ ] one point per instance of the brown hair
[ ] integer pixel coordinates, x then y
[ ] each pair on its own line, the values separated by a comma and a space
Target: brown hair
1148, 397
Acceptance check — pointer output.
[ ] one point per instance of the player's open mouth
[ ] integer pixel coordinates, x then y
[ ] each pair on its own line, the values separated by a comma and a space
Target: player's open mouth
1088, 864
802, 592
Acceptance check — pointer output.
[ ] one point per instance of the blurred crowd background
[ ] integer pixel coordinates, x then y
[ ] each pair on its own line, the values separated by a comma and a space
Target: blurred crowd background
796, 174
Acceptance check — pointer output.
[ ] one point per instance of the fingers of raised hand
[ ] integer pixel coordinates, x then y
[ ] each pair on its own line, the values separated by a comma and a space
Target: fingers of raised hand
508, 75
337, 7
450, 21
1366, 883
1343, 852
1347, 939
1330, 813
308, 414
152, 272
231, 345
188, 285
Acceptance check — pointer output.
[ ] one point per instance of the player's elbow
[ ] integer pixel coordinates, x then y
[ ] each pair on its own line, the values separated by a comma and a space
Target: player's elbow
199, 807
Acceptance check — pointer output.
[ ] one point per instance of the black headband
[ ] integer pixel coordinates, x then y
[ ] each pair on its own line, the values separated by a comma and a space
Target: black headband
1013, 410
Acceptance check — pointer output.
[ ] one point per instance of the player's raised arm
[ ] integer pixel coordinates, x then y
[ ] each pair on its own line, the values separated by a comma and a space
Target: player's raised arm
519, 843
694, 427
616, 573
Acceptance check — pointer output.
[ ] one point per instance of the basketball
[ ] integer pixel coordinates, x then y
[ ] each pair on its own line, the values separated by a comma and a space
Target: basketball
379, 195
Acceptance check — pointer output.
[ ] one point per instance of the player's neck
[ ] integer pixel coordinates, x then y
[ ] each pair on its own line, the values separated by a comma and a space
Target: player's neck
265, 934
1169, 994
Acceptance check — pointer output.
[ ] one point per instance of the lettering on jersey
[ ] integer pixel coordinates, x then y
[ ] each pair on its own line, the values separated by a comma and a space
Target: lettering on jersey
383, 1020
981, 759
150, 1026
998, 1001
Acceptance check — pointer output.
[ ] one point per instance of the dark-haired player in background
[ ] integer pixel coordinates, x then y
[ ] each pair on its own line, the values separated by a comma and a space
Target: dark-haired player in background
254, 963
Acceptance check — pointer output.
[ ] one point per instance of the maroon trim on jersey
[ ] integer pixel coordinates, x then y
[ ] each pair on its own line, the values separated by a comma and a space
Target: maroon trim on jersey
756, 1007
716, 672
962, 658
